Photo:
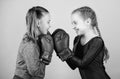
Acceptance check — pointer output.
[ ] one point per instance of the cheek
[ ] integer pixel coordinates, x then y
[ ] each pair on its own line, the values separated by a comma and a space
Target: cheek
81, 26
78, 26
46, 26
43, 26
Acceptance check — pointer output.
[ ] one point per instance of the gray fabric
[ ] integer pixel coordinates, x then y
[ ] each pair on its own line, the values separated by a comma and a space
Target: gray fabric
28, 64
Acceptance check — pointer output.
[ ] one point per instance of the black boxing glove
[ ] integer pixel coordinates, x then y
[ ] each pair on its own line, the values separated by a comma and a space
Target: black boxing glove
45, 43
61, 44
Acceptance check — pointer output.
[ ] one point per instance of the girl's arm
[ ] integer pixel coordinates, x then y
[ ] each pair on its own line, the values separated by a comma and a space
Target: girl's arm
77, 47
95, 48
31, 55
71, 64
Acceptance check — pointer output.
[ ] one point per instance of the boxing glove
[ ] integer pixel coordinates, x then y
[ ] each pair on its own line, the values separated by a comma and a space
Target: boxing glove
45, 43
75, 52
61, 44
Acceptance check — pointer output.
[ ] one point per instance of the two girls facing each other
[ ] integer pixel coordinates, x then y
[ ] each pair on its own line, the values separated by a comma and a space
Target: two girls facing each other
36, 48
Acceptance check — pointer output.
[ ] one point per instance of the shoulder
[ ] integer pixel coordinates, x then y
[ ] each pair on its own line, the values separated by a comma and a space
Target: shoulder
30, 49
27, 46
28, 42
97, 41
30, 45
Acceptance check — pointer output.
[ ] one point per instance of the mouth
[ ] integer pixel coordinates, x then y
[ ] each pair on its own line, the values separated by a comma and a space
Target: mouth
76, 29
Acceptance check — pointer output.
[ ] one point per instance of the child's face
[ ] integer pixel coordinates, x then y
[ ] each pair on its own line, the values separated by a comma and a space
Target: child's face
78, 23
44, 23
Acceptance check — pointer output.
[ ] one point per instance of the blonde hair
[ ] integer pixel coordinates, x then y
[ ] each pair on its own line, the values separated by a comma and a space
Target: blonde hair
32, 15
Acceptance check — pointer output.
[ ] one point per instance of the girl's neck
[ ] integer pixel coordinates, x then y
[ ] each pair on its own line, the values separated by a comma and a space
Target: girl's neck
88, 36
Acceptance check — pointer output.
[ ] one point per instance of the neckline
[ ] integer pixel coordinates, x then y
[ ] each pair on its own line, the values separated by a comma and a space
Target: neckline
90, 40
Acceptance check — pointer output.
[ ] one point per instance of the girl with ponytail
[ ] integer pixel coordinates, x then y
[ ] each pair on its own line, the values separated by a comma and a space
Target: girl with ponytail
89, 49
29, 64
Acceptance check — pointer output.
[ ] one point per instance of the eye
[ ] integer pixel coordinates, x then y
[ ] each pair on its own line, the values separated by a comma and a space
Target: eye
74, 23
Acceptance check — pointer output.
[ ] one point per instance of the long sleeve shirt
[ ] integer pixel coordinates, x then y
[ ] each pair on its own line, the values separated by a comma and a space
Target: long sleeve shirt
90, 64
28, 64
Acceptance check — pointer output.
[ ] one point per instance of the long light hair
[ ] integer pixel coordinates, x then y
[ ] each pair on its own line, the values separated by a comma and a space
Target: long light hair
33, 14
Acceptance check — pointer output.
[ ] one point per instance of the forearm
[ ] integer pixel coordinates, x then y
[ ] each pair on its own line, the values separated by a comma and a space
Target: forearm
76, 62
35, 66
94, 50
71, 64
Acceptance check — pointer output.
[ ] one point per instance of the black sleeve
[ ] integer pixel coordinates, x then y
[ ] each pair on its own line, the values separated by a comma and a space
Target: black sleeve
92, 52
70, 63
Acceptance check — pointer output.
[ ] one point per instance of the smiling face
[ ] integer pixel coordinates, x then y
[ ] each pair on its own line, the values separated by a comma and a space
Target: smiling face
44, 23
79, 24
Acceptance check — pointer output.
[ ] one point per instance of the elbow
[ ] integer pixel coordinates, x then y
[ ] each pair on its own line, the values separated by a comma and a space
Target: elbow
73, 68
37, 74
71, 65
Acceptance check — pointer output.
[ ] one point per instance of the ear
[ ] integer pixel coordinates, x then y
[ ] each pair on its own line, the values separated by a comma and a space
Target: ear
38, 22
88, 21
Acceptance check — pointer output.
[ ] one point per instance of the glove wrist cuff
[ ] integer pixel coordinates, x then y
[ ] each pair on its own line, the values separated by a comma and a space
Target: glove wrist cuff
65, 54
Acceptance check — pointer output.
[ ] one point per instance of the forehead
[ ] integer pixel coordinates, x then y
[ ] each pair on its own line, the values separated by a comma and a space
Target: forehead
46, 16
76, 16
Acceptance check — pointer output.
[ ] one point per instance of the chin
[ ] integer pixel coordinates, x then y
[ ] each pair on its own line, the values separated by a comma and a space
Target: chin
79, 33
46, 32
